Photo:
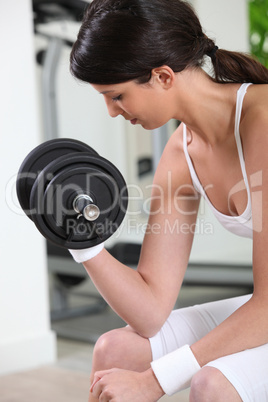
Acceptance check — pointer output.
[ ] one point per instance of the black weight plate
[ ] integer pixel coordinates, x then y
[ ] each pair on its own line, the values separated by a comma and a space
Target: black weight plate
60, 217
61, 181
39, 158
53, 225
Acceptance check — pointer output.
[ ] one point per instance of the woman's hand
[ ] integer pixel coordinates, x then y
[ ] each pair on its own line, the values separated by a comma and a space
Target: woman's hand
117, 385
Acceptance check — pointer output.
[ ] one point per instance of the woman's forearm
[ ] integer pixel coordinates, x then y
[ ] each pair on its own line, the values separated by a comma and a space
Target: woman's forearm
127, 293
246, 328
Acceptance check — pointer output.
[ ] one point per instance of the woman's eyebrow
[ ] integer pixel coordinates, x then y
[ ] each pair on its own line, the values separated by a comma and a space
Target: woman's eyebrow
106, 92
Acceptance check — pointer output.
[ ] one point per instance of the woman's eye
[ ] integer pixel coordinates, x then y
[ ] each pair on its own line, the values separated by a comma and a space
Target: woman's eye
117, 98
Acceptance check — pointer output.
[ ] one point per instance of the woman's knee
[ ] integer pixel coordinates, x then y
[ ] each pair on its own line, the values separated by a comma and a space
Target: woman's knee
122, 348
109, 348
209, 384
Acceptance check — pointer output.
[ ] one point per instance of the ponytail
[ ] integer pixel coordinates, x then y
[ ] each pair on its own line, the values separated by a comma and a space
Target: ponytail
237, 67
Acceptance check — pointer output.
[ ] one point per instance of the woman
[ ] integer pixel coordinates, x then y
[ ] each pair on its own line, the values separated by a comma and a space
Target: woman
145, 57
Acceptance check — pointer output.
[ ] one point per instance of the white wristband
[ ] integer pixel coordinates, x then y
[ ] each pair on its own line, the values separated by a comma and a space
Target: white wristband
175, 370
86, 254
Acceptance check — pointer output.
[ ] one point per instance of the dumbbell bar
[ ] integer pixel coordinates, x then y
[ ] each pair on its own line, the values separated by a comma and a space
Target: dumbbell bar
76, 198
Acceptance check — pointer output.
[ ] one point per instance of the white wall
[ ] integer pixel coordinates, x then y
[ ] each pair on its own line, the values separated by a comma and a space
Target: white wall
226, 21
26, 340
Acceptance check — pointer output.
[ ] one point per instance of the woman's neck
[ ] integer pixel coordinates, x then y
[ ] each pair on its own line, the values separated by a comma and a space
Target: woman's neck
207, 108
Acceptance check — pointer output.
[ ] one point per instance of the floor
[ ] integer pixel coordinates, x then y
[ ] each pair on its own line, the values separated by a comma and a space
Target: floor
68, 379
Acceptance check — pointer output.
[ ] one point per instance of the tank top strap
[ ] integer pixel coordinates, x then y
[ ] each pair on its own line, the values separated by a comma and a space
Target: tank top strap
240, 98
239, 104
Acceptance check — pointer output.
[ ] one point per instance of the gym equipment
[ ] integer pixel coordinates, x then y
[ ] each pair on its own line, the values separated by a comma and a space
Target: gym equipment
76, 198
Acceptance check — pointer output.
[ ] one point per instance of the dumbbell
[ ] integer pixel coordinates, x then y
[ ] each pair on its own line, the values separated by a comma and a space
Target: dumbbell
76, 198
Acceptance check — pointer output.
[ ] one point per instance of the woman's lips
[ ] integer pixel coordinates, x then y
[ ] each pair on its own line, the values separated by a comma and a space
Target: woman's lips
133, 121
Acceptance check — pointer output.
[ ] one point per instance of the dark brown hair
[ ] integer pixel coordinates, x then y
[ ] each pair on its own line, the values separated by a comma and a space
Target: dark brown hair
123, 40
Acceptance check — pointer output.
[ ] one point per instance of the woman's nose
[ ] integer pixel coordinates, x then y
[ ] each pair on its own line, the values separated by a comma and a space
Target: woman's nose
114, 109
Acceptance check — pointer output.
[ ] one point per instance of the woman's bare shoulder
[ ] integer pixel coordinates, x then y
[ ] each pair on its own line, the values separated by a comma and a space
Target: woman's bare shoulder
255, 106
254, 123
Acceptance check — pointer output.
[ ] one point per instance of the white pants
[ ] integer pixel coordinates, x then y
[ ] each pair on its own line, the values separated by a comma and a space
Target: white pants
247, 371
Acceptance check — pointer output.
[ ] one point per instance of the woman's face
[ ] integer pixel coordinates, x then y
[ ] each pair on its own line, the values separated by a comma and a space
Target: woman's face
144, 104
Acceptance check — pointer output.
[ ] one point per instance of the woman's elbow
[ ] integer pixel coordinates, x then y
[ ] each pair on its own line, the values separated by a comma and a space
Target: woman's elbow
151, 326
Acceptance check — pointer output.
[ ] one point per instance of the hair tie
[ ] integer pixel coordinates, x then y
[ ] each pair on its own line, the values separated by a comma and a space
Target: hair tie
212, 52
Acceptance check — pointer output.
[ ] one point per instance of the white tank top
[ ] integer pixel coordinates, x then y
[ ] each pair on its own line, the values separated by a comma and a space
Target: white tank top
242, 224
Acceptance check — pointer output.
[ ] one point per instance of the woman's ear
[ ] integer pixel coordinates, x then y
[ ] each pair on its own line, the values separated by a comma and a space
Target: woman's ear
164, 75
